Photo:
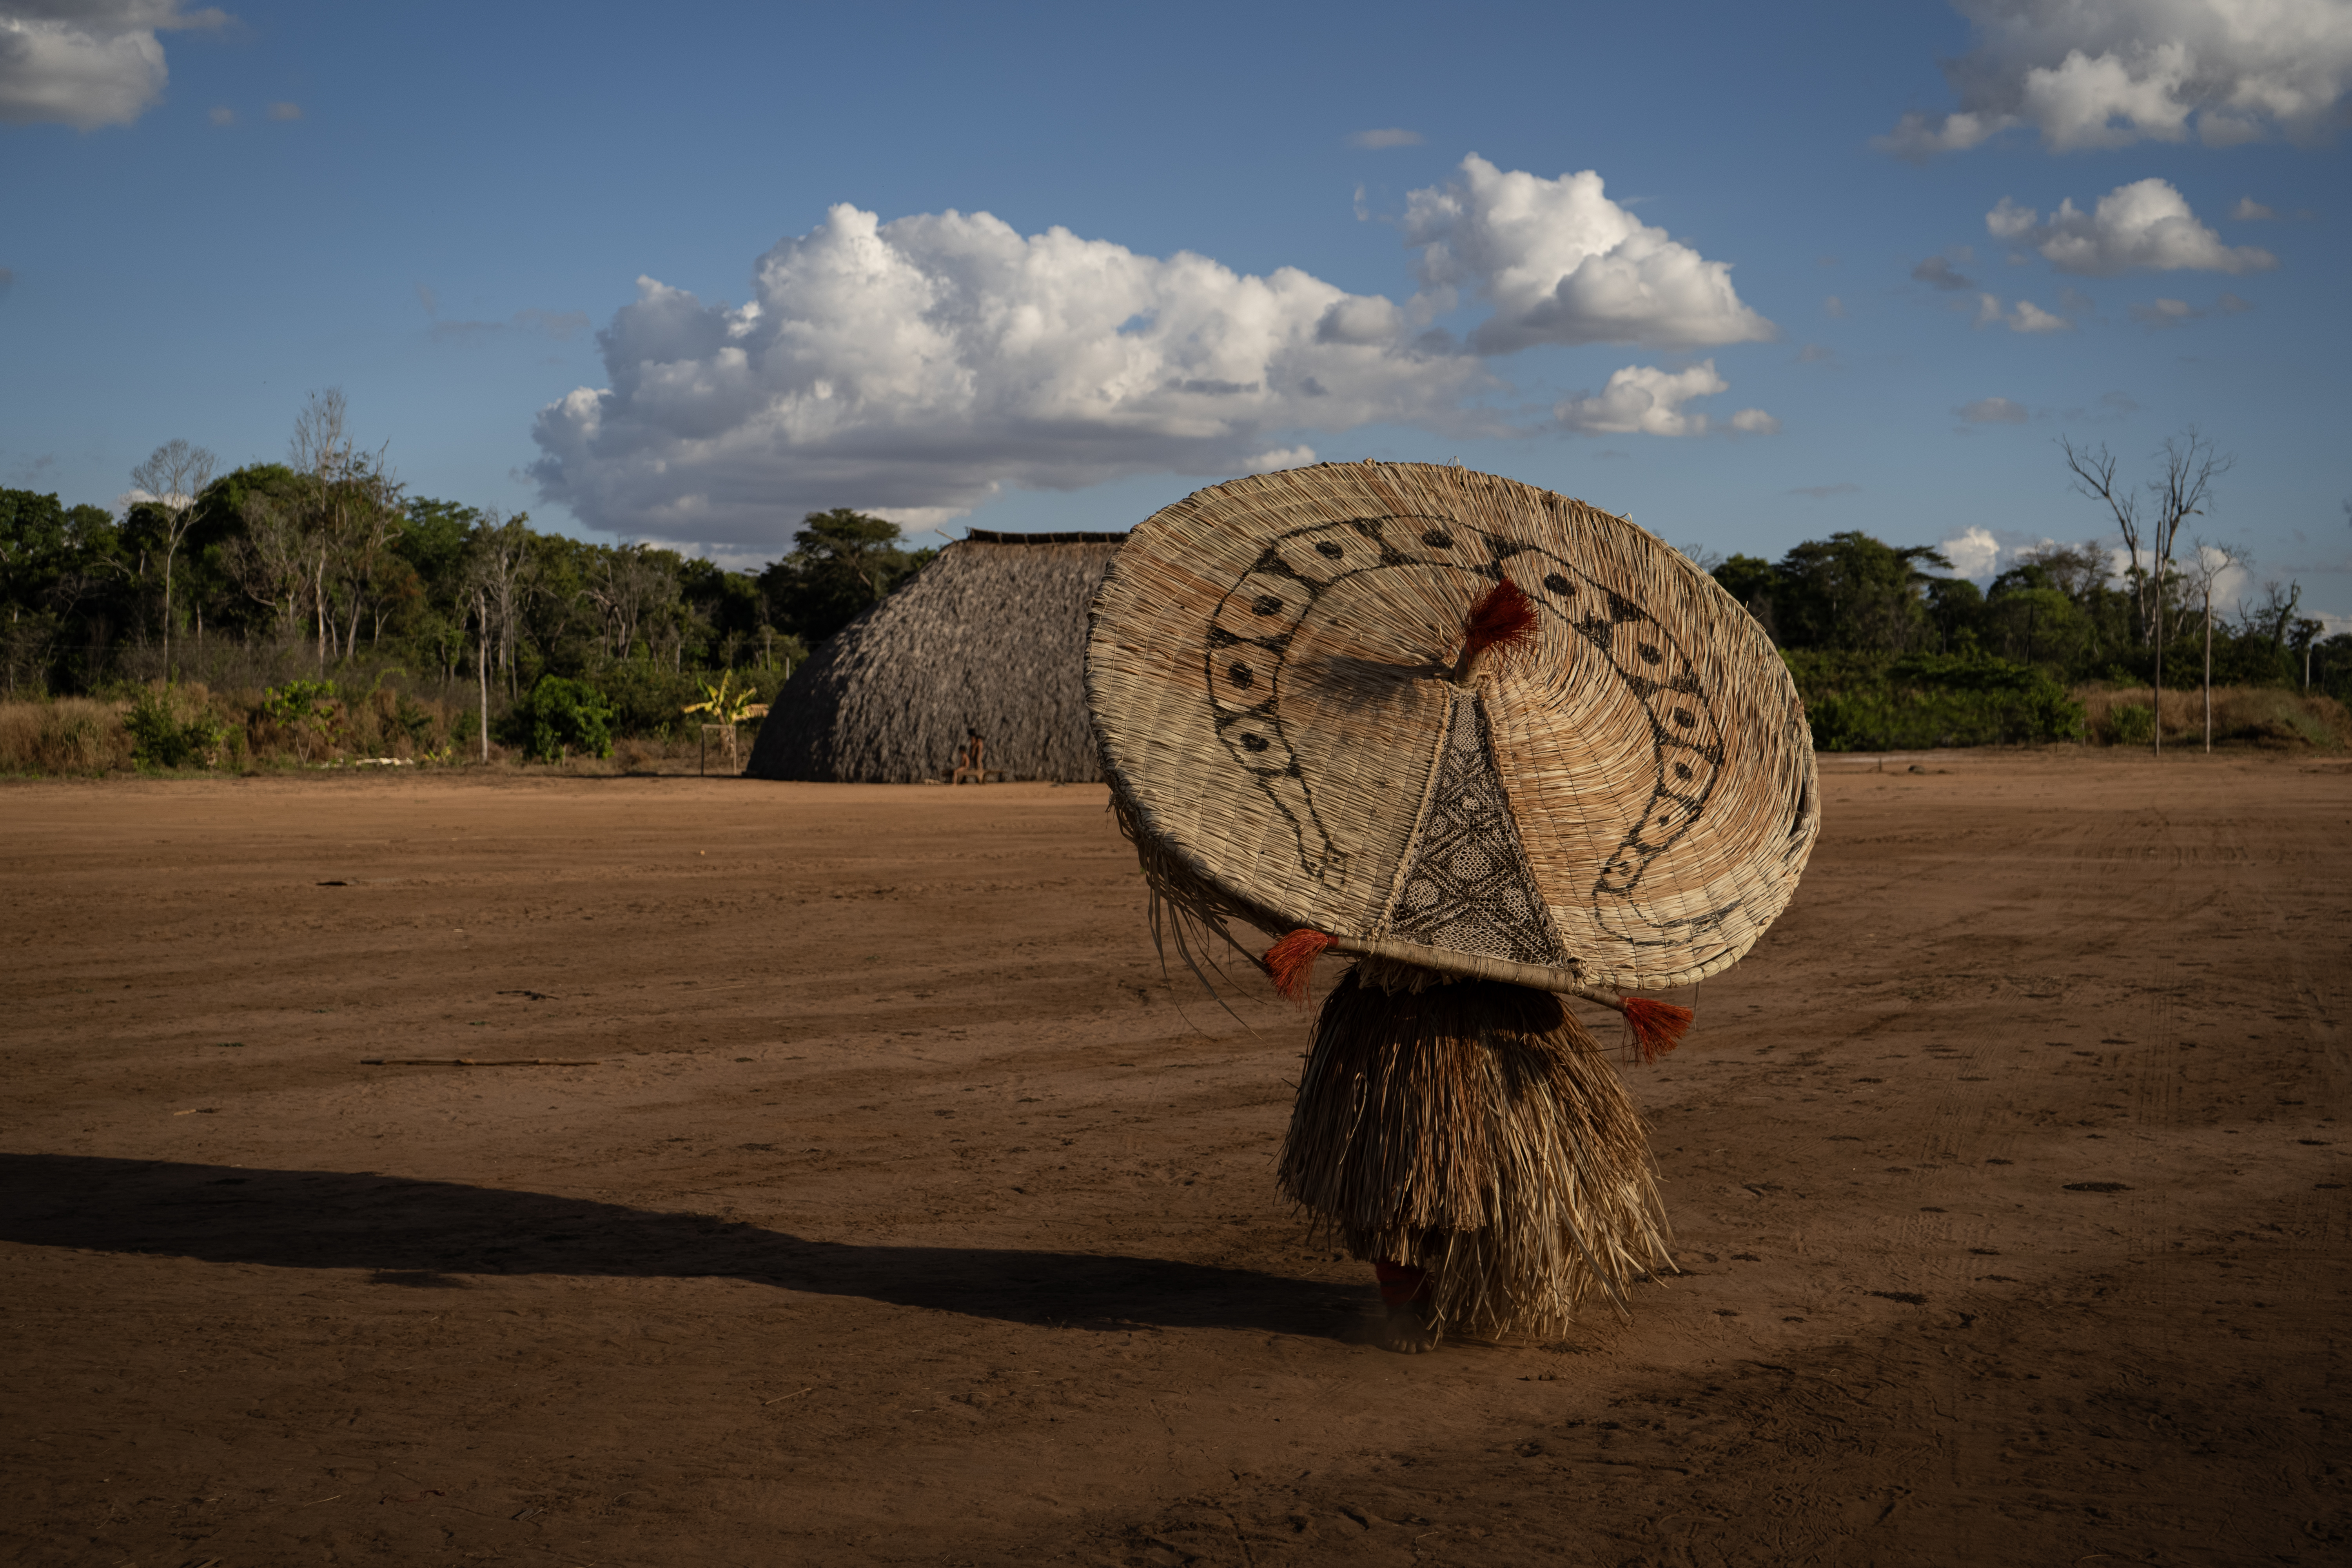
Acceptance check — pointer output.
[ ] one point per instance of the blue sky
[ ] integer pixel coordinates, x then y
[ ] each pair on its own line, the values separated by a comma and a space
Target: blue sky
1747, 274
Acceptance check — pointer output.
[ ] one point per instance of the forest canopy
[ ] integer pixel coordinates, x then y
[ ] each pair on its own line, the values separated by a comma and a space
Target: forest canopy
294, 576
1889, 652
325, 565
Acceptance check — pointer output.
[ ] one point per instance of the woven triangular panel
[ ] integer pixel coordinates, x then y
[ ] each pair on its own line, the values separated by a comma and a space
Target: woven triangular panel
1270, 671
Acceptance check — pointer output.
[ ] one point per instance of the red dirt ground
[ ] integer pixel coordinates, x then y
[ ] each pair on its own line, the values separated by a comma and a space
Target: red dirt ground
911, 1215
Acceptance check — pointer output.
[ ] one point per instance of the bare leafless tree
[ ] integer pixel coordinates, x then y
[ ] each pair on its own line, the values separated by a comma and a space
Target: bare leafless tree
323, 451
2095, 475
2191, 464
349, 508
267, 557
630, 585
2273, 617
499, 569
2211, 563
481, 596
173, 476
322, 442
368, 517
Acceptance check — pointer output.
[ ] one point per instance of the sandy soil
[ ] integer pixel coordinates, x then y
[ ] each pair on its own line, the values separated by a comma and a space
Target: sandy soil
911, 1216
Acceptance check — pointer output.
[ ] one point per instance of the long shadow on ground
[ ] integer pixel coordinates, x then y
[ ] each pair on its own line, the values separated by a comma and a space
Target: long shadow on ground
429, 1234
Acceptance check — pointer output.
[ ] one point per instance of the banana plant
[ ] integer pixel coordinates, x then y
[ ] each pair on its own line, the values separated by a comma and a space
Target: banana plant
726, 702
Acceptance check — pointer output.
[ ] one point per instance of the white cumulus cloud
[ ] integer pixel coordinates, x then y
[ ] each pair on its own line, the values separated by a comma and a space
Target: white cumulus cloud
1561, 263
2029, 317
87, 63
1275, 458
917, 367
1980, 552
2232, 579
2146, 225
2108, 73
2165, 313
2025, 316
1644, 400
1973, 551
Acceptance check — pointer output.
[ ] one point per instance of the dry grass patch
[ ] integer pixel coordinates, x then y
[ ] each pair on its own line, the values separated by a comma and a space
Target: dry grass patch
2242, 715
67, 736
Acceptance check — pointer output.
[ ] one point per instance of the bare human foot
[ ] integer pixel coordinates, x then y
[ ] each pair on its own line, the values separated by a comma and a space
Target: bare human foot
1407, 1327
1406, 1330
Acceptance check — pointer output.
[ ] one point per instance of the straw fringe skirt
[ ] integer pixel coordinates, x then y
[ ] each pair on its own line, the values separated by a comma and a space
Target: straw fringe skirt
1474, 1130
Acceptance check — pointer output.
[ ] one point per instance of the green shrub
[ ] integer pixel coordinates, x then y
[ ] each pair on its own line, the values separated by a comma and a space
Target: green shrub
2131, 724
561, 717
171, 728
299, 702
310, 713
648, 699
415, 720
1868, 702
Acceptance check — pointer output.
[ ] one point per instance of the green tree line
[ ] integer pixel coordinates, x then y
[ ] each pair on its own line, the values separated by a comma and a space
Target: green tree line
324, 567
1890, 651
286, 578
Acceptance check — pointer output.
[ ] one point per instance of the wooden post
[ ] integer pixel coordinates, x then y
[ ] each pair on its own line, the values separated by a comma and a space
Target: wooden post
2209, 662
482, 669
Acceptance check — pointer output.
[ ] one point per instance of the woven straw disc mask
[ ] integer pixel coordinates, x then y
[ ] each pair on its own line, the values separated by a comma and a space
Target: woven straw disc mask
1627, 797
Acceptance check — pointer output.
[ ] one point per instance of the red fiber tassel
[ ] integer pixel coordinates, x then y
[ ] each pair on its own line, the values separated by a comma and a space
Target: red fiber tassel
1657, 1027
1291, 962
1504, 619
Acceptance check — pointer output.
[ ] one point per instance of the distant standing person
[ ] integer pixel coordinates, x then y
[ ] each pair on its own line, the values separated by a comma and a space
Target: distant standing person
972, 758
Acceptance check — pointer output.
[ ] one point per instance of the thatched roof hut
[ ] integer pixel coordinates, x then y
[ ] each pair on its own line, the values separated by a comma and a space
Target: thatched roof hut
990, 635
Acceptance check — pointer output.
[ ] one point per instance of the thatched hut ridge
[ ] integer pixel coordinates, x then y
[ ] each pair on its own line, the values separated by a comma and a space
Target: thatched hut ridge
990, 635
